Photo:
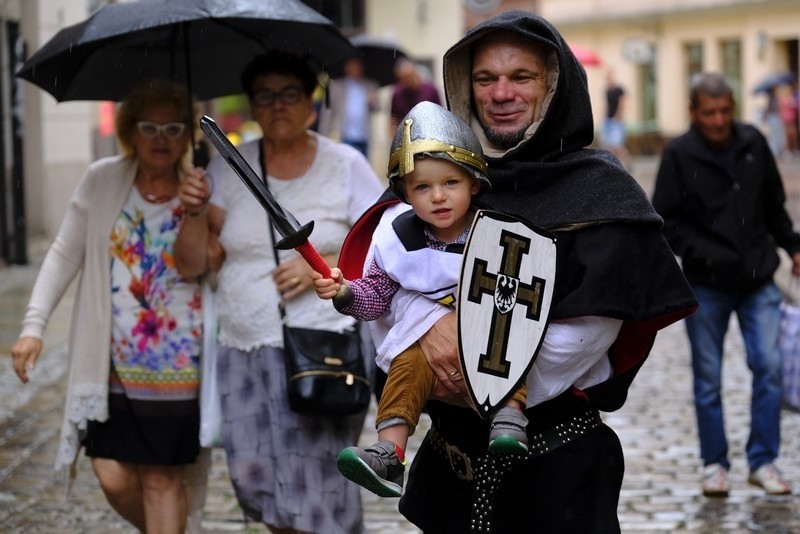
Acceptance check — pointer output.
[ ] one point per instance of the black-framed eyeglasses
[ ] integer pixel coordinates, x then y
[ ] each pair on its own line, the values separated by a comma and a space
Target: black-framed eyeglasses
171, 130
287, 95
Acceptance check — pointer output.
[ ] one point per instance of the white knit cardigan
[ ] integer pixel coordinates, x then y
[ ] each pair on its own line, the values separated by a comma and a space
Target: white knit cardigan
82, 246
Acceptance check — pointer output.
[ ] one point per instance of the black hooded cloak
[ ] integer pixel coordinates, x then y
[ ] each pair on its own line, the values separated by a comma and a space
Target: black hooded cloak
612, 261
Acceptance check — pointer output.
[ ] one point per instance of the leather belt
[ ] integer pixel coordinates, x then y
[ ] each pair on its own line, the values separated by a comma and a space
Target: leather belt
488, 470
459, 462
539, 444
563, 432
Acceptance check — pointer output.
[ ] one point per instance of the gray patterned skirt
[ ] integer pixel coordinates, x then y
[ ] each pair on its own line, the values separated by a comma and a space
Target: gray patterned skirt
283, 464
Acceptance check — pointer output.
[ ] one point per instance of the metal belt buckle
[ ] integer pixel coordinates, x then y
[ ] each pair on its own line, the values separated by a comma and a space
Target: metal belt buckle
459, 462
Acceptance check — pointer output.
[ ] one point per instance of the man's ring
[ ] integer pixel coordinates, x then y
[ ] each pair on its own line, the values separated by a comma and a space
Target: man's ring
454, 373
295, 281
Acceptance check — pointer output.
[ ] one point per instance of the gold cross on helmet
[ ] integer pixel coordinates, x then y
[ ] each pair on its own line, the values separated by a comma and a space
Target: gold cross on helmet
404, 155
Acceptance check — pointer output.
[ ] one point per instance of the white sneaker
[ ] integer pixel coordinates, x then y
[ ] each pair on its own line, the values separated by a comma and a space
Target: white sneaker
768, 477
715, 481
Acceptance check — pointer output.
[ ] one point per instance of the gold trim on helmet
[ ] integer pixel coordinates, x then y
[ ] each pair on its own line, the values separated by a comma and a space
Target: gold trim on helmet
404, 155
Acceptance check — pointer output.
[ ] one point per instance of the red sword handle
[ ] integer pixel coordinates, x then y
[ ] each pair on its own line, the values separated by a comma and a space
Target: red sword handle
314, 259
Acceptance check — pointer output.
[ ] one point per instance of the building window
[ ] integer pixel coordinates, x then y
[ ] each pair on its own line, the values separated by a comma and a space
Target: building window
348, 15
731, 58
693, 62
648, 89
693, 58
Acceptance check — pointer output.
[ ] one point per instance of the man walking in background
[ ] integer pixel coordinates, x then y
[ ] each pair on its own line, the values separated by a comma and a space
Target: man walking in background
353, 99
410, 90
613, 134
720, 194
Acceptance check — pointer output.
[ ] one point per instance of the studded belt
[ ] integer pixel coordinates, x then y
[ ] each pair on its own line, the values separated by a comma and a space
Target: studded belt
487, 471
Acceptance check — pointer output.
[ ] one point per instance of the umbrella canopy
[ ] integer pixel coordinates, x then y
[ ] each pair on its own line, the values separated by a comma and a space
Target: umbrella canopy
203, 44
378, 55
585, 57
768, 83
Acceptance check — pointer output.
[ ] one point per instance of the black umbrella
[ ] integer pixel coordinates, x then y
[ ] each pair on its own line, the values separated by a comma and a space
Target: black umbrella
768, 83
378, 55
203, 44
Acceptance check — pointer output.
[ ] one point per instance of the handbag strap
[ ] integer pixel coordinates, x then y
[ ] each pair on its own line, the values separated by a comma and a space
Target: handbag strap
281, 303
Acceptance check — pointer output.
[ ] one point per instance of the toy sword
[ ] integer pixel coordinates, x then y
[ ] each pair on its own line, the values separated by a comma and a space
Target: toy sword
294, 235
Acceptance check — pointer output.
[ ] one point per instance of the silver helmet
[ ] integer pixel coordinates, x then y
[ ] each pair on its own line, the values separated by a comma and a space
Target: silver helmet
431, 130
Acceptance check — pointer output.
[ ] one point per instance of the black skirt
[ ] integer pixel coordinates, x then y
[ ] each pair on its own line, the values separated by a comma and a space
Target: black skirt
146, 432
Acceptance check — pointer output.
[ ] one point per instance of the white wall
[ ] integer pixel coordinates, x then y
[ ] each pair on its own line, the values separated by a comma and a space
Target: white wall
424, 29
57, 135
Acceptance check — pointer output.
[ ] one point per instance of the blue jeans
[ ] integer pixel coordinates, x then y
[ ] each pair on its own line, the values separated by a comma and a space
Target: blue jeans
758, 313
613, 133
361, 146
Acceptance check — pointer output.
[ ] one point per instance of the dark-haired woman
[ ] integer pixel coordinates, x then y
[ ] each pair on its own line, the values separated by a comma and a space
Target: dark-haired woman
282, 464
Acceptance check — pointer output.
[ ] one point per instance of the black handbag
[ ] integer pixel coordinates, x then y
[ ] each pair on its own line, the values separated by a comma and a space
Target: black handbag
325, 370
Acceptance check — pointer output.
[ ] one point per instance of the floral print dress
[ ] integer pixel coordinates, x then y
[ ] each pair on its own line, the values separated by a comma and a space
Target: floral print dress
156, 341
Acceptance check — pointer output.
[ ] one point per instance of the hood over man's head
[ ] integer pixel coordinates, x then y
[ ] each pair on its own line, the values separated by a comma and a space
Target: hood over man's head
560, 108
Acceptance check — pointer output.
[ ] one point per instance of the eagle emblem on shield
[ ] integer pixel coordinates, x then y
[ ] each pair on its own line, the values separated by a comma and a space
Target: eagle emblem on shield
507, 279
505, 293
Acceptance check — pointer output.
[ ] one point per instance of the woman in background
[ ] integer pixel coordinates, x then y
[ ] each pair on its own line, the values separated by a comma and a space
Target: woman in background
136, 328
282, 464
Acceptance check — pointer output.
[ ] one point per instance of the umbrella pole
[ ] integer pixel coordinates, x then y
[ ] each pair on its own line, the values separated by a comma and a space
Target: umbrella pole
196, 153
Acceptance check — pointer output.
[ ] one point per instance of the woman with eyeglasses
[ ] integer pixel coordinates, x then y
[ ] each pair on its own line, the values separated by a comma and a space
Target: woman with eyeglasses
282, 464
136, 332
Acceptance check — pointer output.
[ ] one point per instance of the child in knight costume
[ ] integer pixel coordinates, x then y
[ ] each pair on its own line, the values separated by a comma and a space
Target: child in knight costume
437, 167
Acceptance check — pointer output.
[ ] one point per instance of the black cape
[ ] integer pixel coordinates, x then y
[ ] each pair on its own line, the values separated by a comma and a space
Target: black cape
612, 261
612, 257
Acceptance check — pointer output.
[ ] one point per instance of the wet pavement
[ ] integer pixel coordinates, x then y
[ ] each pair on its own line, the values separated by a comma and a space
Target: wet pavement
661, 491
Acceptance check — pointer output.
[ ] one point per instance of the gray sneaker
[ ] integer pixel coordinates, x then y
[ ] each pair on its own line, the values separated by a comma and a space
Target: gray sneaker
507, 432
376, 468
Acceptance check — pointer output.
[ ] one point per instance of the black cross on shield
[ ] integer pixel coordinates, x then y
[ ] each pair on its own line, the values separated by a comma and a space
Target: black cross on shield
507, 279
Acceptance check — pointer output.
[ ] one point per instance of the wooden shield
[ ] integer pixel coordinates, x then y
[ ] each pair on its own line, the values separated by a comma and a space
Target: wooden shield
507, 279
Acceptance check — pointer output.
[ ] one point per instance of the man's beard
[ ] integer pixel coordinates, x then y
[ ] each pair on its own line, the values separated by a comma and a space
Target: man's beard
504, 140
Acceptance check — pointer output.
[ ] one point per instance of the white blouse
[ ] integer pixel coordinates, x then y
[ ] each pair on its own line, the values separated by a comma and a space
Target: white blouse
336, 190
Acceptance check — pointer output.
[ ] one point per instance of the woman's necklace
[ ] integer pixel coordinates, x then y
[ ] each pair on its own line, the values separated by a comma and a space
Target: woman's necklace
157, 199
151, 197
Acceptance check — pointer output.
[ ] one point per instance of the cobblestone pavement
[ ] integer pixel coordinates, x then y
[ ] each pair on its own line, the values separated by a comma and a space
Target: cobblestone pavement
660, 493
